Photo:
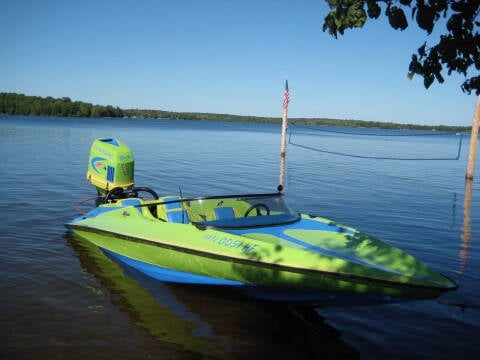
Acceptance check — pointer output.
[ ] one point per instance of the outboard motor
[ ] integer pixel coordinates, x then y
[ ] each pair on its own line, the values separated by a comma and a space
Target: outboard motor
110, 166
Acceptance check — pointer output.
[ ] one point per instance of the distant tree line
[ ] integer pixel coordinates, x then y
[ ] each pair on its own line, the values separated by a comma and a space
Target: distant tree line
378, 124
19, 104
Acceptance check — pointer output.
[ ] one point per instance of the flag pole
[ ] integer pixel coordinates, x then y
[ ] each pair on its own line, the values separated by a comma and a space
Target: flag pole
283, 149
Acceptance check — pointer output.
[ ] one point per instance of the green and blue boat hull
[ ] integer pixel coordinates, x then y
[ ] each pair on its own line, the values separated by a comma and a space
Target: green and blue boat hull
311, 261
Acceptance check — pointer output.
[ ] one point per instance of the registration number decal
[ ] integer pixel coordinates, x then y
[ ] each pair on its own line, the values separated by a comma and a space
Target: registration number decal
230, 243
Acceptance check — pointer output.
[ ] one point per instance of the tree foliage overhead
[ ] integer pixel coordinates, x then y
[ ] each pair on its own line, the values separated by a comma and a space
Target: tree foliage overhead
458, 49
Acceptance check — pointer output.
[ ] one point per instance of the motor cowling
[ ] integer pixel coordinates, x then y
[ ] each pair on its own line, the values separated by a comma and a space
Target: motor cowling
111, 165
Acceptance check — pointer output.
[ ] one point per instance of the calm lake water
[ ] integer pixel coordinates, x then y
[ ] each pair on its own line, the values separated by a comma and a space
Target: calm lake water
62, 298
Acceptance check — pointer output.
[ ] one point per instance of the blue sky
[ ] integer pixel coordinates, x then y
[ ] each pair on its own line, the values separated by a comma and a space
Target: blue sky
221, 57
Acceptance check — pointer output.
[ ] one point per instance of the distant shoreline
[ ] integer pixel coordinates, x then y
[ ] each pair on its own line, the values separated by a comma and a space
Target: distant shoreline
19, 104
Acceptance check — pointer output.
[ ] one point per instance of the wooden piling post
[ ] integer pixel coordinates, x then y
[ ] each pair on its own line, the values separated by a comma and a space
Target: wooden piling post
466, 228
473, 141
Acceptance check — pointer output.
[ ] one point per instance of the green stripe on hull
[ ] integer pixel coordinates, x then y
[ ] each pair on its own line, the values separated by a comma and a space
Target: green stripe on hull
252, 268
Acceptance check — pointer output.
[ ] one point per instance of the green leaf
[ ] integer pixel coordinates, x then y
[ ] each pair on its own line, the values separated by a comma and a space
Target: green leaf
329, 24
427, 80
347, 14
457, 6
421, 50
356, 15
425, 17
397, 18
472, 84
373, 9
439, 77
415, 67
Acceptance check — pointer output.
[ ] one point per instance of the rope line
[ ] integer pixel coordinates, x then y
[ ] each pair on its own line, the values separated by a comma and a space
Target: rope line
81, 203
321, 129
457, 157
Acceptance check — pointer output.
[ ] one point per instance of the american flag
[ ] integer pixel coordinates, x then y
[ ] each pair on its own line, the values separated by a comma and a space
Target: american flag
286, 97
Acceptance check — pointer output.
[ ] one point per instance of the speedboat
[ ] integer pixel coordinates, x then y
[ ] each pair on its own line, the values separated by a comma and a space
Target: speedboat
250, 242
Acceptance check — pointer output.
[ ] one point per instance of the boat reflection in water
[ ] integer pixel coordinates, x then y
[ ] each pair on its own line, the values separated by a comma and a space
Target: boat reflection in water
211, 322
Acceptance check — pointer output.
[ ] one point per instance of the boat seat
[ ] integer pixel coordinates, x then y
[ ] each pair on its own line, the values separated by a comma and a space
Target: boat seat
173, 211
163, 209
174, 205
132, 202
224, 212
178, 216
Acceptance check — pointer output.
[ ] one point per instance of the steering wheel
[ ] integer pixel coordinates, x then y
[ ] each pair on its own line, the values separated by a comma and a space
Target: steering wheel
152, 208
136, 190
115, 193
257, 207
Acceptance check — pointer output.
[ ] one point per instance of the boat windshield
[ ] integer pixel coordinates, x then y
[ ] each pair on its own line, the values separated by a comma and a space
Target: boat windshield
239, 211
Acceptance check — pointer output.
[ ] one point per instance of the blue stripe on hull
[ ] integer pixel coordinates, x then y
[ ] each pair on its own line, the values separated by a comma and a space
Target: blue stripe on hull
171, 275
293, 296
